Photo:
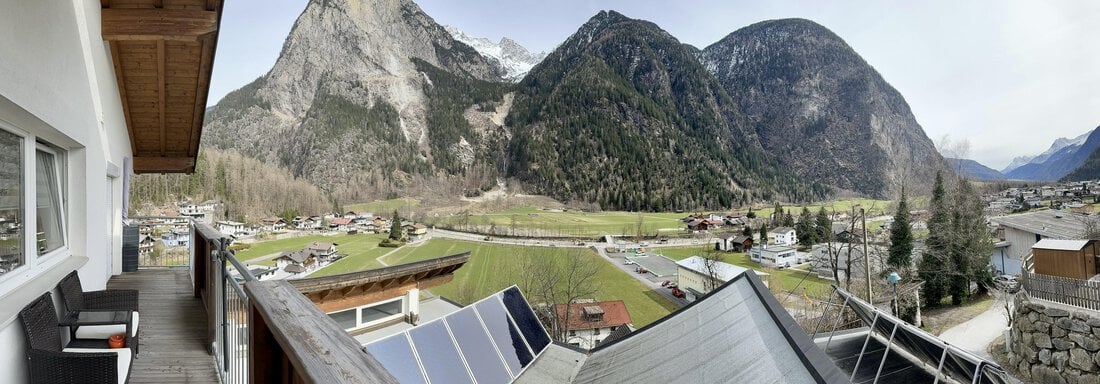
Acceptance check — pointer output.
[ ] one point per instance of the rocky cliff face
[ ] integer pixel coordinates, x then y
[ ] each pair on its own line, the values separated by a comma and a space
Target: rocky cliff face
820, 109
353, 59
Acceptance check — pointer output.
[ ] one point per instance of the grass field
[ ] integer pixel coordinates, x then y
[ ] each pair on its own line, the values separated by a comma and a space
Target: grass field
361, 250
571, 223
384, 208
488, 272
782, 280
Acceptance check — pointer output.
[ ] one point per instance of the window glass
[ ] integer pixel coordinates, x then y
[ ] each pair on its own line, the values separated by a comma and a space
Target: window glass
346, 319
48, 205
381, 311
11, 202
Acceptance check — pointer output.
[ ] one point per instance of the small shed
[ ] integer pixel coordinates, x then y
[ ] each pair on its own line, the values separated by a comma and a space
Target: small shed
1066, 258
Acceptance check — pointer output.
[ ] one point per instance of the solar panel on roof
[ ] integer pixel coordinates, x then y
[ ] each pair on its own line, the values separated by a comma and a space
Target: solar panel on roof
486, 364
438, 354
505, 334
396, 355
493, 340
525, 319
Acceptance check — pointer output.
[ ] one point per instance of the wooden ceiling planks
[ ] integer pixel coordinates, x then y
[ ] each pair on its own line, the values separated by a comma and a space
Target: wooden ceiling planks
163, 55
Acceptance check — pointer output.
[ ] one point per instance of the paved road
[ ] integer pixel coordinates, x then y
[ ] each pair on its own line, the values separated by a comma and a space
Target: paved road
976, 334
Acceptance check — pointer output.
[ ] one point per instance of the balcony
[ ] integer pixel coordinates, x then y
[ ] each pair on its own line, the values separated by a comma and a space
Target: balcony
205, 319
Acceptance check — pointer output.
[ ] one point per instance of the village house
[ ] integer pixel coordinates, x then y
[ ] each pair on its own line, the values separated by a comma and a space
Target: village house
192, 210
783, 236
273, 224
145, 246
693, 275
175, 239
339, 224
775, 255
821, 263
1020, 232
590, 322
381, 223
322, 249
229, 227
296, 261
736, 243
415, 231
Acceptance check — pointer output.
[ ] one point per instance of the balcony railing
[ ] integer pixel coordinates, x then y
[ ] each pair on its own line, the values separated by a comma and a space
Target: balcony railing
158, 241
267, 331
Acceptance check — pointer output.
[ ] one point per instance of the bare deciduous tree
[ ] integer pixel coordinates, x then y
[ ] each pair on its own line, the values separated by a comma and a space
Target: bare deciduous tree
549, 278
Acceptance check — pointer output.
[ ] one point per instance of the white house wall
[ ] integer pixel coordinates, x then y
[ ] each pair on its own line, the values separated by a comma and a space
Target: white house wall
59, 85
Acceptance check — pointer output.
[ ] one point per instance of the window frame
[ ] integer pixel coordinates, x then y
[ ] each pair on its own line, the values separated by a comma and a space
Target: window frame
33, 262
359, 324
61, 175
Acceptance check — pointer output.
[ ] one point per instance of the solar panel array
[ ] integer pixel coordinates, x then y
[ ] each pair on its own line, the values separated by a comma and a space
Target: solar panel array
490, 341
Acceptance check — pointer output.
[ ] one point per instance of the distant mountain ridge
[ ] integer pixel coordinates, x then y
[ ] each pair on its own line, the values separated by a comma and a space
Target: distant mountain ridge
514, 60
1058, 145
974, 170
1063, 157
822, 110
374, 97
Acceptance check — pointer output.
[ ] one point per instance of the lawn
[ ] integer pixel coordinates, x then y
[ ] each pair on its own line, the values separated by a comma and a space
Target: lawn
361, 249
487, 272
782, 280
572, 223
384, 208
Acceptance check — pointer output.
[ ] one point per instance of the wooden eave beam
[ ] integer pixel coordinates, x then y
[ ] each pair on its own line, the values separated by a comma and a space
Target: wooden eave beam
157, 24
156, 164
161, 58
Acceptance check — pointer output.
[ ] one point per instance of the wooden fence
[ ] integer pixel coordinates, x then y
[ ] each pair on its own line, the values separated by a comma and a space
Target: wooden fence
1080, 293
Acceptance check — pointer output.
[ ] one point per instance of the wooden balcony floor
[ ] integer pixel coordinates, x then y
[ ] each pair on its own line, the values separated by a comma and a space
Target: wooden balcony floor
173, 328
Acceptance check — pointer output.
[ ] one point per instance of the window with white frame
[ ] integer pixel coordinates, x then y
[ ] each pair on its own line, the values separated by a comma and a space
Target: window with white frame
368, 315
31, 182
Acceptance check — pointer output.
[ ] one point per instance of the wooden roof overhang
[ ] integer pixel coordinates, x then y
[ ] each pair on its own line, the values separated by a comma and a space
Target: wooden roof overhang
426, 274
163, 54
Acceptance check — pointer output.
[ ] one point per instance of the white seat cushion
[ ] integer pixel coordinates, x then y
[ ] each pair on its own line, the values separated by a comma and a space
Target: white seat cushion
105, 331
124, 357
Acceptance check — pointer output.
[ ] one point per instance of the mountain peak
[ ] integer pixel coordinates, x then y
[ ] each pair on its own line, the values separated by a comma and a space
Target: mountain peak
512, 58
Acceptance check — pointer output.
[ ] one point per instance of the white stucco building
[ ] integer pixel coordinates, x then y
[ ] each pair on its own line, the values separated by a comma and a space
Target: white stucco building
694, 277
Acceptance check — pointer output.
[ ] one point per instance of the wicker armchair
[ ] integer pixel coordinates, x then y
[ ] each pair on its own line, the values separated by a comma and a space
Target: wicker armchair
76, 300
47, 362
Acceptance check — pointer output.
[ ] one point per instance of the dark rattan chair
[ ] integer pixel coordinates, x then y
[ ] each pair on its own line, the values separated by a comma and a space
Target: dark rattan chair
76, 300
47, 362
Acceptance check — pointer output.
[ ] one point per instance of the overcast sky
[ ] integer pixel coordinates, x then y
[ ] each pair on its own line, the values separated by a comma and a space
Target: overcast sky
1007, 76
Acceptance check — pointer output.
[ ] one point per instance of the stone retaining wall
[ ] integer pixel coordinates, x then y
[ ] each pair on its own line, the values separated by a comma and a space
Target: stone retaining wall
1054, 345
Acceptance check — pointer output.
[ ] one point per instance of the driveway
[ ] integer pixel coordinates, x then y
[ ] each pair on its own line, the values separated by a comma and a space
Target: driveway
976, 334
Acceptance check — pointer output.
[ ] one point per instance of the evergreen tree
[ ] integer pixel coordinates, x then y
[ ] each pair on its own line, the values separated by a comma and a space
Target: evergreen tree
823, 226
777, 214
807, 232
764, 233
934, 265
395, 227
747, 231
901, 239
788, 220
751, 214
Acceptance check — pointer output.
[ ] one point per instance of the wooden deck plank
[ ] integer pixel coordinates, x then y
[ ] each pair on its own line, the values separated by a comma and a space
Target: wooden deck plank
172, 328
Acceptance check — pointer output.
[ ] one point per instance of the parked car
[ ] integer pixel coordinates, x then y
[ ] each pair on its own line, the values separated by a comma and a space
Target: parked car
1008, 283
677, 293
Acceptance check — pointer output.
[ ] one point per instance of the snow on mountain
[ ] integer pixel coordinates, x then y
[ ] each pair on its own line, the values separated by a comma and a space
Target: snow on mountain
512, 57
1059, 145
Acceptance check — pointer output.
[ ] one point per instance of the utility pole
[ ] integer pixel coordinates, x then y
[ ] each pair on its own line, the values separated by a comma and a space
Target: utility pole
866, 256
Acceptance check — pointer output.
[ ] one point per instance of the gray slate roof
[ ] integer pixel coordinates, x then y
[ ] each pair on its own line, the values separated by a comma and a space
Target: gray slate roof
737, 334
1047, 223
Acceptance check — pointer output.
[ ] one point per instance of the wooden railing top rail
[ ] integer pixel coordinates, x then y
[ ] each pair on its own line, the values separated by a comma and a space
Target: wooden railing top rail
318, 348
